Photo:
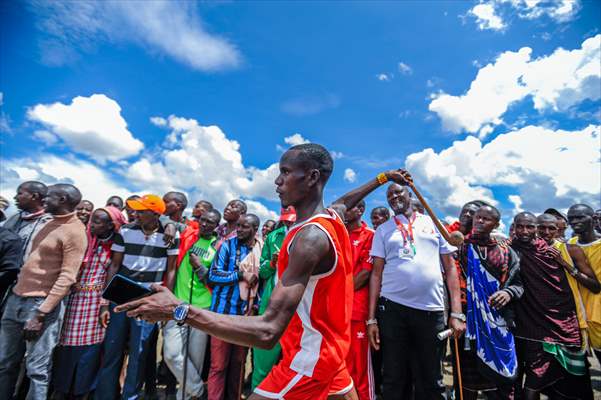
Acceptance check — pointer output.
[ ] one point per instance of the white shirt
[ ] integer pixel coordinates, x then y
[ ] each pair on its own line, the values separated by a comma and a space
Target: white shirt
414, 281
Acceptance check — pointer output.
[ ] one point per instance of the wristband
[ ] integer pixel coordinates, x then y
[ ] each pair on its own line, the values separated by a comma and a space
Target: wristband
372, 321
382, 178
574, 271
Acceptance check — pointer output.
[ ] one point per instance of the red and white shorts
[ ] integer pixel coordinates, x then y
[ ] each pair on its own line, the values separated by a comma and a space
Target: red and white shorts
284, 383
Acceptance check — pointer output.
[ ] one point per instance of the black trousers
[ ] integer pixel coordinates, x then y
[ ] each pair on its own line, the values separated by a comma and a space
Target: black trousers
411, 351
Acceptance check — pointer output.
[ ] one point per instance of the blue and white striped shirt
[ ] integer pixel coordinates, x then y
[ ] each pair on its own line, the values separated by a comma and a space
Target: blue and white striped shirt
223, 275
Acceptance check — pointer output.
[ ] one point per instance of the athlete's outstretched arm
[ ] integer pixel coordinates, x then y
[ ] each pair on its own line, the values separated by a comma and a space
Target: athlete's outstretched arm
309, 248
350, 199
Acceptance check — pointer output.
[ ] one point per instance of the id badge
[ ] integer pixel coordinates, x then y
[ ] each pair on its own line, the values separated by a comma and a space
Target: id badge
406, 253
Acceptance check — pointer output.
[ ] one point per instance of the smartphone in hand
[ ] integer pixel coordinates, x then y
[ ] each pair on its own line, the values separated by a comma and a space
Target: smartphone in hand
121, 290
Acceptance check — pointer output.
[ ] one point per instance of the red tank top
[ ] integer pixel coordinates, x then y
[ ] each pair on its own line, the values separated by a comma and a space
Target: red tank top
317, 339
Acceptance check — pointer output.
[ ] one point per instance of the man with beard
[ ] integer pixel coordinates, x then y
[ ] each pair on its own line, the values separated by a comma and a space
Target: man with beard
491, 270
407, 288
34, 310
580, 217
547, 328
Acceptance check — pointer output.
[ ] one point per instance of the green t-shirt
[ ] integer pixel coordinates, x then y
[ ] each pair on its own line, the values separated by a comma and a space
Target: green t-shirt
201, 296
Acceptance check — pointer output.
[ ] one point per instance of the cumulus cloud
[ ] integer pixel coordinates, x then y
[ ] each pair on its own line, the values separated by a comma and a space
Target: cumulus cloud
95, 183
158, 121
491, 14
206, 164
558, 81
486, 17
546, 168
295, 140
405, 69
89, 125
171, 28
384, 77
48, 138
310, 105
350, 175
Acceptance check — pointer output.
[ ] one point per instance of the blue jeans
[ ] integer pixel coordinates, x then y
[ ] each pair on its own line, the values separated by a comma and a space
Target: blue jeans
38, 352
115, 342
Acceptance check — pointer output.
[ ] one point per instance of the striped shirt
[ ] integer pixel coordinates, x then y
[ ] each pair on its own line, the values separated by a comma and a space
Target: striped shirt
145, 258
223, 275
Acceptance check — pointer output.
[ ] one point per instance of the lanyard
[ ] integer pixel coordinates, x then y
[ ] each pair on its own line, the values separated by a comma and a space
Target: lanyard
406, 232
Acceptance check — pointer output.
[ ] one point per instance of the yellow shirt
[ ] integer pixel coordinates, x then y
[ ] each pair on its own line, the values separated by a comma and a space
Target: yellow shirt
592, 302
580, 309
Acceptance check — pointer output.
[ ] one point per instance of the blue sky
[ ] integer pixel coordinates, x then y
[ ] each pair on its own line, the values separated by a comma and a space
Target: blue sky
506, 94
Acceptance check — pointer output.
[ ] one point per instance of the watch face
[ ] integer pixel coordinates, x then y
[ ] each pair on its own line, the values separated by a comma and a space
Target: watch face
180, 312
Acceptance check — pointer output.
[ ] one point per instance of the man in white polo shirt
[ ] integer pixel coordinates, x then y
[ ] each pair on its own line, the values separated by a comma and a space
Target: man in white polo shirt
406, 288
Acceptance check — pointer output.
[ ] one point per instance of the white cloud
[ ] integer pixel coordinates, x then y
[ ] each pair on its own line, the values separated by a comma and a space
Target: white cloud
384, 77
172, 28
48, 138
205, 164
94, 183
4, 119
517, 203
349, 175
405, 69
532, 160
295, 139
558, 10
89, 125
158, 121
493, 14
558, 81
336, 155
310, 105
486, 17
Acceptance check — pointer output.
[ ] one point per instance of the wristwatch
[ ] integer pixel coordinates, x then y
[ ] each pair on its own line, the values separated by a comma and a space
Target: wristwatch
460, 316
181, 312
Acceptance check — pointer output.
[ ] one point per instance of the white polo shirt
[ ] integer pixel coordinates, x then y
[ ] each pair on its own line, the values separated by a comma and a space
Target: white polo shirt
413, 281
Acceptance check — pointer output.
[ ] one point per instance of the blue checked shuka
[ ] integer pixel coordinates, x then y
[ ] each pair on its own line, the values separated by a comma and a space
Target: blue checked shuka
495, 345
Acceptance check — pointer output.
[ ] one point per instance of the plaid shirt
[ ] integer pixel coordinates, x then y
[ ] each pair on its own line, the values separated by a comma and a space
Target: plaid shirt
81, 326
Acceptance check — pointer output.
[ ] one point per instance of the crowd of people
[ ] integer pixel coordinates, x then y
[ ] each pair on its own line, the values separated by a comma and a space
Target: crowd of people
320, 303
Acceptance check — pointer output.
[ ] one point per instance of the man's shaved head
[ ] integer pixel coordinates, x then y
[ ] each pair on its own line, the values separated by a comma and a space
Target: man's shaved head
525, 215
494, 210
583, 208
253, 219
314, 156
546, 218
35, 187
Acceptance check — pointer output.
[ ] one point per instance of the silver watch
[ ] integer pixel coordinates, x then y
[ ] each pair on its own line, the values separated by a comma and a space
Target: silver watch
460, 316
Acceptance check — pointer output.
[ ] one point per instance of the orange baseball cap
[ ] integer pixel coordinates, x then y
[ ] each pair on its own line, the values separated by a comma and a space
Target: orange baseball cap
150, 202
288, 214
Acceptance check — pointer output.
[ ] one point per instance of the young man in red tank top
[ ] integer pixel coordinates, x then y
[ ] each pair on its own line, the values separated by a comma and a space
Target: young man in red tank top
309, 311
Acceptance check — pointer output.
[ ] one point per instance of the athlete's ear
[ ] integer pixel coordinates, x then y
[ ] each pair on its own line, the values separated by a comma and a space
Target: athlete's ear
314, 177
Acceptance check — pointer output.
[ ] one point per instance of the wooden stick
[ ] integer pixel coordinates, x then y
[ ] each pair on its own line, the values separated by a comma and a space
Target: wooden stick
458, 368
455, 238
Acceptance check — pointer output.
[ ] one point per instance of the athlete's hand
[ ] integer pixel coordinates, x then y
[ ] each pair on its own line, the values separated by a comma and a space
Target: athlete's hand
157, 307
373, 334
104, 316
499, 299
